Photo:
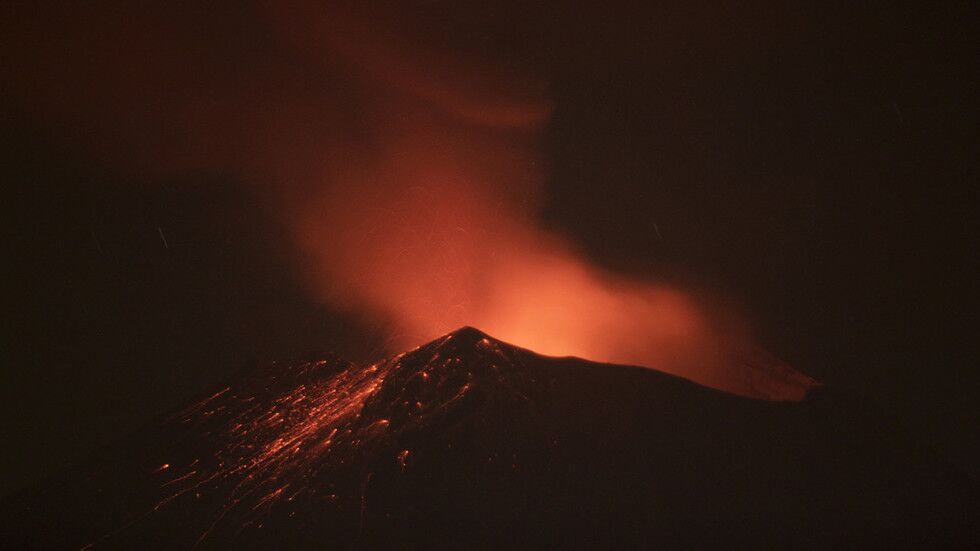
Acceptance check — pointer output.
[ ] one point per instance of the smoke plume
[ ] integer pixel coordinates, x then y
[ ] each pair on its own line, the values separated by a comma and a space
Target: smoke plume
409, 174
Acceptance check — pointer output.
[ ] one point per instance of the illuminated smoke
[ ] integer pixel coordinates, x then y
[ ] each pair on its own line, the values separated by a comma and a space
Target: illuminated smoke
408, 175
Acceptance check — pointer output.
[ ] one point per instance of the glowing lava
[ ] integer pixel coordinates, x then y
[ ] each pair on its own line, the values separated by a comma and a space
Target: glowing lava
290, 434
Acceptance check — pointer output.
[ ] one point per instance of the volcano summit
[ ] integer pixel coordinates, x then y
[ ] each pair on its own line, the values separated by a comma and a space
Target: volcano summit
471, 442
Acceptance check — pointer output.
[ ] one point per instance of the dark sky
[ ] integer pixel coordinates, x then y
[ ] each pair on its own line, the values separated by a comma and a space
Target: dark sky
815, 165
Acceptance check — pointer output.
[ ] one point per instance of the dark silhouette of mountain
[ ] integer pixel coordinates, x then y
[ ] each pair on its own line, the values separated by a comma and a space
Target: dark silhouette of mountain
471, 442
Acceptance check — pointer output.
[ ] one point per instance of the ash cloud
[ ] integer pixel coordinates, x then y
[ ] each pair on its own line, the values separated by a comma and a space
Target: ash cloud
408, 173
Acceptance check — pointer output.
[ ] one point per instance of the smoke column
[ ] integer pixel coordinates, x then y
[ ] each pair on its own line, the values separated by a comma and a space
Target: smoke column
408, 174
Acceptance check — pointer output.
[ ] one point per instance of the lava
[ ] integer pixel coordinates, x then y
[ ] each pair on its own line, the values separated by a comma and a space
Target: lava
274, 439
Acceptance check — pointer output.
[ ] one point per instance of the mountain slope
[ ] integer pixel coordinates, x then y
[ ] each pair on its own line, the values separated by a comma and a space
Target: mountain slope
468, 441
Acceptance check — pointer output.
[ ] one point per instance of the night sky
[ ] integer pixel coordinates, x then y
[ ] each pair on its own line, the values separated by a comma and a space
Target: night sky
814, 165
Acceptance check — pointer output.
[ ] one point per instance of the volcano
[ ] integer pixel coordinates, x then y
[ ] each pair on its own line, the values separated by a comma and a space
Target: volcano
470, 442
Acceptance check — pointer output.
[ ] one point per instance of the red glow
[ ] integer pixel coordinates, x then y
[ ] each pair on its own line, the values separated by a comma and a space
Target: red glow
408, 174
431, 226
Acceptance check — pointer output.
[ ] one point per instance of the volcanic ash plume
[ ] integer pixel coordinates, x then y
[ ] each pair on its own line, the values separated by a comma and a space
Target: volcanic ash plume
408, 174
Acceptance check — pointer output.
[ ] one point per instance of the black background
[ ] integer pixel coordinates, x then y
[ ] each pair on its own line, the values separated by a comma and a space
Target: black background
816, 164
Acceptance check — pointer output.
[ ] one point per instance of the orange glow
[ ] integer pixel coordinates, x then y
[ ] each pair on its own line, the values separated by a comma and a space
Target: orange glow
407, 173
430, 225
